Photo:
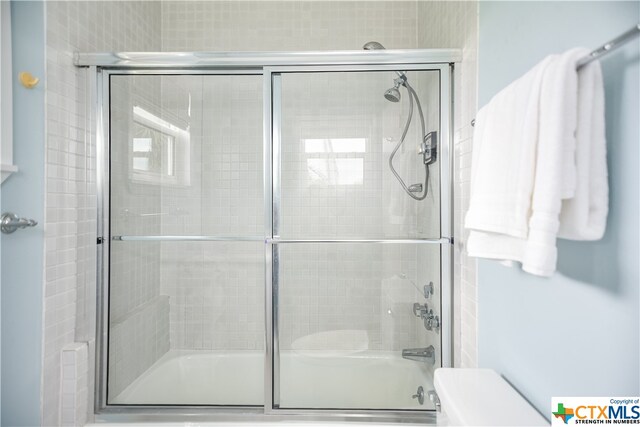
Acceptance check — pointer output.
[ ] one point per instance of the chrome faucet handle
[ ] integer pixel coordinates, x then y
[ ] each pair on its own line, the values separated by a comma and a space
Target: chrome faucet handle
420, 310
431, 322
428, 290
419, 395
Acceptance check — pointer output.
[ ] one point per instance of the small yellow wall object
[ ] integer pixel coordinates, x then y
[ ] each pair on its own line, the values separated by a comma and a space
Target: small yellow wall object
28, 80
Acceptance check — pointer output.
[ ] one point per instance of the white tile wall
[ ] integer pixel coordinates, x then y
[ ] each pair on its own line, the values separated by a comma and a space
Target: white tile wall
327, 289
352, 106
278, 25
75, 384
454, 24
70, 201
353, 287
216, 290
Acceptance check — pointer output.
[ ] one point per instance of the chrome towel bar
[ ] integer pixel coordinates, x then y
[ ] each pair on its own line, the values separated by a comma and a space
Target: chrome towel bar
604, 49
610, 46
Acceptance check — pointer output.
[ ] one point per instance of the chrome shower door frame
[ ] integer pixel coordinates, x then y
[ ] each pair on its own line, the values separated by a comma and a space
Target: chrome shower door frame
100, 94
100, 70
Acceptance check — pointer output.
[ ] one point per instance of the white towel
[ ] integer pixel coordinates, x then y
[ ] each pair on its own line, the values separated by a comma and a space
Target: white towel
552, 119
503, 164
584, 217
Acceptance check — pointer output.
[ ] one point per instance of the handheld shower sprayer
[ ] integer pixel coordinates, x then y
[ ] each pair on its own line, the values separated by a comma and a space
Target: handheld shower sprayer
428, 142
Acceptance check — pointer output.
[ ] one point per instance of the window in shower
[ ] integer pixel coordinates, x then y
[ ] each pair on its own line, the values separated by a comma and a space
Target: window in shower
160, 150
335, 161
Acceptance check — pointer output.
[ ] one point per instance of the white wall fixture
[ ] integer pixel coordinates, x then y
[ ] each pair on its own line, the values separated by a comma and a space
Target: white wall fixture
6, 94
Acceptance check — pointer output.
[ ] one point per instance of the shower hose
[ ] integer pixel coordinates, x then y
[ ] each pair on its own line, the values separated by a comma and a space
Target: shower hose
412, 95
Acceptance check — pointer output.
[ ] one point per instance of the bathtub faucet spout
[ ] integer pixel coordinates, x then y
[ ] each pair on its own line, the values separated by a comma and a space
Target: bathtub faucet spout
420, 354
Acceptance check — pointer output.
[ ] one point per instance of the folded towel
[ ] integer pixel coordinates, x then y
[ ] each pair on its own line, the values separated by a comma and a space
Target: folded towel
584, 216
555, 155
504, 157
538, 190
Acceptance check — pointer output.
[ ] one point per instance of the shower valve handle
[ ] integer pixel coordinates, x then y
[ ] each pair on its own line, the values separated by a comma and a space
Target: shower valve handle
428, 147
431, 322
420, 310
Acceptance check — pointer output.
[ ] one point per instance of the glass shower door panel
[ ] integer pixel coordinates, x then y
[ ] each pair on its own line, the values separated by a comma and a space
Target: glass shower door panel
338, 134
186, 155
186, 307
186, 323
346, 314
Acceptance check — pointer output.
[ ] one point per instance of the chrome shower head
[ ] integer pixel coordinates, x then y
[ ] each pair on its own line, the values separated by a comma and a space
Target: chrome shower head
392, 94
373, 46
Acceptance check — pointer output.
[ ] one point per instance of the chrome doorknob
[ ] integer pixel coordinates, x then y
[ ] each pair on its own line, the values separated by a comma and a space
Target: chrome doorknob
10, 222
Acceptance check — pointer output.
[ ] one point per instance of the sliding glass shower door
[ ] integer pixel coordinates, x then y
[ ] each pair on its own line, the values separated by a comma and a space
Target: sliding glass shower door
355, 251
276, 238
186, 294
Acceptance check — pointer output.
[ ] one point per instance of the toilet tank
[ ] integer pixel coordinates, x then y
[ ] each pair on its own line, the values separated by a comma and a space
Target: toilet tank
481, 397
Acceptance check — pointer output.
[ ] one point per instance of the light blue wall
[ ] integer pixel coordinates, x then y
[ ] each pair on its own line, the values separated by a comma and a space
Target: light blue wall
22, 251
576, 334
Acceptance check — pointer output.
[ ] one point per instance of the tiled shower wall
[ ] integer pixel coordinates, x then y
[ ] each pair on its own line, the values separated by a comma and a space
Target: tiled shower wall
455, 24
288, 25
70, 225
328, 289
215, 289
309, 209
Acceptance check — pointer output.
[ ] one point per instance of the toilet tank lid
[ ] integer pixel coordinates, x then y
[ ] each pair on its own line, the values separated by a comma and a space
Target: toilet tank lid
482, 397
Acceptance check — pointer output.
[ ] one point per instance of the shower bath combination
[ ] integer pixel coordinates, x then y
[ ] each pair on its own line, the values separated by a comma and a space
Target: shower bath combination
232, 310
428, 148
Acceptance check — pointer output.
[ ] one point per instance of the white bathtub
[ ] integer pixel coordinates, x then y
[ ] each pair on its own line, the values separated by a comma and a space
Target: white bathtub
363, 380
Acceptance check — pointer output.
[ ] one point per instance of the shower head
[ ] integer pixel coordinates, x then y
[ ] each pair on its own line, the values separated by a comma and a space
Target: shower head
373, 46
392, 94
